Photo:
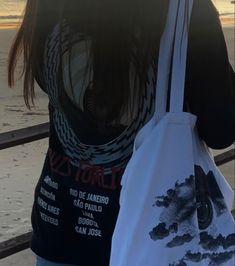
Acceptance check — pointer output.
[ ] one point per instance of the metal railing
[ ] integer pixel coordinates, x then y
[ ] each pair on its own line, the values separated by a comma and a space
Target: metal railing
26, 135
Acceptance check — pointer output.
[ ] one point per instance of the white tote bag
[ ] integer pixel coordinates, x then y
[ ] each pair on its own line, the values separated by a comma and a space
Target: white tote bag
174, 204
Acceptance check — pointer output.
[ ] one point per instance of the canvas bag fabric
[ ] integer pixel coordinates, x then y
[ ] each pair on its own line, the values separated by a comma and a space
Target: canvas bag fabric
175, 203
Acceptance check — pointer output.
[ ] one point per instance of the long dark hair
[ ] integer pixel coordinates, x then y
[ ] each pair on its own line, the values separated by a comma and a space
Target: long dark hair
122, 31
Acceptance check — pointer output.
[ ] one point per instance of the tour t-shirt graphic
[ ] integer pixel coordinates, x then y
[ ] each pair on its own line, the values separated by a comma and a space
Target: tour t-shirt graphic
77, 196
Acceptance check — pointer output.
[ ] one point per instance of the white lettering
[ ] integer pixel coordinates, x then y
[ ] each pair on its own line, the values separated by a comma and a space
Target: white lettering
78, 203
82, 195
42, 203
49, 219
94, 232
81, 230
92, 207
73, 192
85, 221
53, 209
98, 198
50, 183
88, 214
47, 194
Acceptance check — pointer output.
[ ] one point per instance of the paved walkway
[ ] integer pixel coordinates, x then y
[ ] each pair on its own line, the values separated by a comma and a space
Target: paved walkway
24, 258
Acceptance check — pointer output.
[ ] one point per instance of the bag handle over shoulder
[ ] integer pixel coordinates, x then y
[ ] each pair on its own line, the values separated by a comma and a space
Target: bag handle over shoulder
164, 60
172, 56
180, 56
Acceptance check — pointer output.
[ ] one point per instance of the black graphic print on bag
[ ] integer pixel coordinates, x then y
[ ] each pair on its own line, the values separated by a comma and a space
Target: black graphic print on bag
198, 195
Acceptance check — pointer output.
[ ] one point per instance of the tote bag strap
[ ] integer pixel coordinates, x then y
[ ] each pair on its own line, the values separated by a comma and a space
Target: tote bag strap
164, 60
180, 56
172, 56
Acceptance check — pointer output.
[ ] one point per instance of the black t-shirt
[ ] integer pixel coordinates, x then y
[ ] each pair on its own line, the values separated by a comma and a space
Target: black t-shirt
77, 196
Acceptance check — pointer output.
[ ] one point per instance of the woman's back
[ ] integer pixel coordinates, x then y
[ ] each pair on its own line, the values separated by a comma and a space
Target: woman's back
99, 72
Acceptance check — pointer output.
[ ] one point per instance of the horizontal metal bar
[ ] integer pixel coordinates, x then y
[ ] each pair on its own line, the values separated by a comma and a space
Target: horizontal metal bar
29, 134
24, 135
22, 242
225, 157
14, 245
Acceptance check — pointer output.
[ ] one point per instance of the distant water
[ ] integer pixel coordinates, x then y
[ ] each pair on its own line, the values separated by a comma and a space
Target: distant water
11, 10
225, 7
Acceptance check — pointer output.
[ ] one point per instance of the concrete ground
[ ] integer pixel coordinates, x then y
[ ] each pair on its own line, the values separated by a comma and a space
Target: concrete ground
24, 258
